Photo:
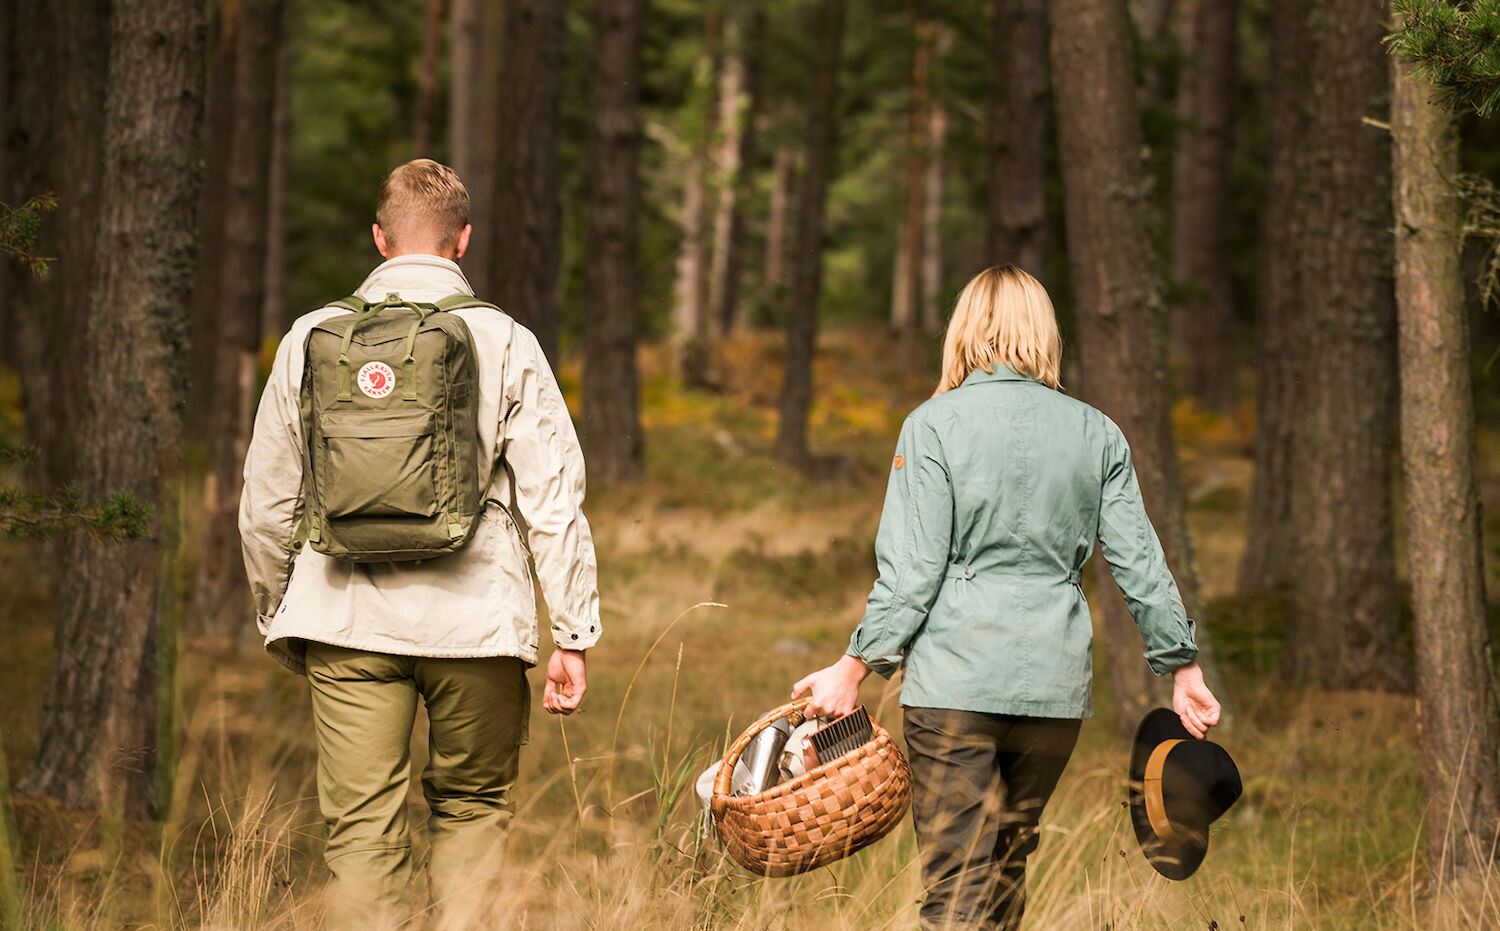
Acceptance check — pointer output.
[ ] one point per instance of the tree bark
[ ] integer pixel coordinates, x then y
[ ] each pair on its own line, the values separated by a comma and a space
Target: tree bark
1459, 717
690, 306
54, 126
275, 317
611, 420
475, 31
1344, 630
1200, 203
424, 113
931, 314
1267, 564
1121, 321
100, 734
527, 218
1018, 137
807, 273
737, 172
783, 184
906, 287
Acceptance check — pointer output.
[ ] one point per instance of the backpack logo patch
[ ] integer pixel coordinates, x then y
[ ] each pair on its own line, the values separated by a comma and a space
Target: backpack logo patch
376, 379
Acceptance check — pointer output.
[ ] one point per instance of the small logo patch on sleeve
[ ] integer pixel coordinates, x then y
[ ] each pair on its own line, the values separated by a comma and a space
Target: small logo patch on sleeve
898, 462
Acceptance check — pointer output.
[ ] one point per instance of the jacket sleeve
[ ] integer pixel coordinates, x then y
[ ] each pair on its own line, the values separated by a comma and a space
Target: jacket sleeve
911, 550
271, 502
1136, 561
540, 449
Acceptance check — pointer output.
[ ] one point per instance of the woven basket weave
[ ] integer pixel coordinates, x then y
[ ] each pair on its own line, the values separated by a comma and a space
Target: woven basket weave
821, 816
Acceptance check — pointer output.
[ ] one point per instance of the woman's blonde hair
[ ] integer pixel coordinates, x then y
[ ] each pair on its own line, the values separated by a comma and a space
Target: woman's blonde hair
1003, 316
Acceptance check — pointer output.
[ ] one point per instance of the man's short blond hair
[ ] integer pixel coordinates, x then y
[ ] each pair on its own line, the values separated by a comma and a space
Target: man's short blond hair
422, 203
1003, 316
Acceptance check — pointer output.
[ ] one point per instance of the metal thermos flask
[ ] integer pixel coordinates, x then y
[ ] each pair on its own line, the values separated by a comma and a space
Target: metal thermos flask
763, 753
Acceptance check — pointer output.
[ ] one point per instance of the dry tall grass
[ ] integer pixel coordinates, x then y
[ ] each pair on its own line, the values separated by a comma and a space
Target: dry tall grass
1327, 835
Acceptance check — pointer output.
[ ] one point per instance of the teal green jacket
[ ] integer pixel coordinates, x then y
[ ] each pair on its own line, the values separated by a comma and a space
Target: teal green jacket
998, 490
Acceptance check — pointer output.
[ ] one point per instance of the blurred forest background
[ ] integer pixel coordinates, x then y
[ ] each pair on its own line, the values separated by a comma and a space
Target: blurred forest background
737, 229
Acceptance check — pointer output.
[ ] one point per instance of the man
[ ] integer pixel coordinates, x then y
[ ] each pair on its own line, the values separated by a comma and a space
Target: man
459, 630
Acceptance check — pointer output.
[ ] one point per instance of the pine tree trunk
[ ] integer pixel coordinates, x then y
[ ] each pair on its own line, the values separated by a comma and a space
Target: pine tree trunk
476, 29
783, 185
1344, 630
229, 298
738, 172
100, 733
1460, 720
906, 290
690, 306
1018, 137
611, 421
1266, 565
807, 272
1200, 203
275, 316
54, 126
1121, 321
425, 111
527, 219
931, 315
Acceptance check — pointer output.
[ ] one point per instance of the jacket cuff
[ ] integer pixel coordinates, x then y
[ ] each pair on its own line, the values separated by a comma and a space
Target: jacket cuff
1163, 660
576, 636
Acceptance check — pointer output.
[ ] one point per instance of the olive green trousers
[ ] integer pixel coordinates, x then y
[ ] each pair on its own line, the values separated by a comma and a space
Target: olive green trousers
364, 709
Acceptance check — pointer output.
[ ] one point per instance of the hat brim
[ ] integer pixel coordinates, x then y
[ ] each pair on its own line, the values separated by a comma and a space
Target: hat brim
1174, 860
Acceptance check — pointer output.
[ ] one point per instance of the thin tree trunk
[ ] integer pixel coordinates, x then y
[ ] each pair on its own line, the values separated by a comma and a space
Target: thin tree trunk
932, 219
802, 322
611, 420
527, 219
1459, 717
690, 307
730, 120
783, 183
275, 315
425, 112
100, 734
244, 96
1200, 203
55, 125
906, 290
1267, 563
1344, 630
739, 169
475, 31
1122, 323
1018, 137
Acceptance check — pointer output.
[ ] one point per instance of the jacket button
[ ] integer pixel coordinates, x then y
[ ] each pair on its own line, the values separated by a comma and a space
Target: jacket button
968, 573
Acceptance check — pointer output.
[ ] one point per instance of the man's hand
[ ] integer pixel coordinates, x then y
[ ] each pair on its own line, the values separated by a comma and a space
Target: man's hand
834, 688
566, 682
1192, 700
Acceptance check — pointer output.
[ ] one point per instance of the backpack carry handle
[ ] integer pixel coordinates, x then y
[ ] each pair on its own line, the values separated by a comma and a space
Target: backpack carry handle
408, 362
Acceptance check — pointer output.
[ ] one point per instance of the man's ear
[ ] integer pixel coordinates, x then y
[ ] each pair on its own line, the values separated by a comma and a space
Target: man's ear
380, 243
461, 245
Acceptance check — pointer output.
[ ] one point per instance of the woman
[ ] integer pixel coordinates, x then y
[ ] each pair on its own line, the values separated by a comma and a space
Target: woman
998, 489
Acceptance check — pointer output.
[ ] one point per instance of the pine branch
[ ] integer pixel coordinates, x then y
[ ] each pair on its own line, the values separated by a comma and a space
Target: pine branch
25, 516
1456, 46
18, 231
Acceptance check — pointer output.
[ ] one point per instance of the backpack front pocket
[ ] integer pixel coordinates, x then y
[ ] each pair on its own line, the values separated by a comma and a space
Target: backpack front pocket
377, 464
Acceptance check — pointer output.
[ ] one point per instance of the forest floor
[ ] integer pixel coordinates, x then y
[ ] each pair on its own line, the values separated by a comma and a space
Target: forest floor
1328, 833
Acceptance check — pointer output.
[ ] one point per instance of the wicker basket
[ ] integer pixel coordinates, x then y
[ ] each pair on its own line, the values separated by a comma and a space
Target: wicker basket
821, 816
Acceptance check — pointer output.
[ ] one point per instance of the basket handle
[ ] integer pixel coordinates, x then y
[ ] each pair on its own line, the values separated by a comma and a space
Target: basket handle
732, 756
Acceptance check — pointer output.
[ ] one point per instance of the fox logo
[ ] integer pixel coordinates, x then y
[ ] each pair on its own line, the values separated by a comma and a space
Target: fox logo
376, 380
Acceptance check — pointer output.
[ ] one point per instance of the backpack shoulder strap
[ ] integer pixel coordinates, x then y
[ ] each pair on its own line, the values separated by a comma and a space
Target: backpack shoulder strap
460, 300
353, 302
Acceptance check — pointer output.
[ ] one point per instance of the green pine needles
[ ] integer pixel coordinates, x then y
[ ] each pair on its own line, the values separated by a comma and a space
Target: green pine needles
18, 229
1457, 46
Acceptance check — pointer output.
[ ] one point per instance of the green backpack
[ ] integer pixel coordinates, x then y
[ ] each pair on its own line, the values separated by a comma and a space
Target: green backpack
390, 423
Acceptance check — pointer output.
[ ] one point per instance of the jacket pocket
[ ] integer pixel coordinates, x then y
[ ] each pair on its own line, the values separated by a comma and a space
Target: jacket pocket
377, 464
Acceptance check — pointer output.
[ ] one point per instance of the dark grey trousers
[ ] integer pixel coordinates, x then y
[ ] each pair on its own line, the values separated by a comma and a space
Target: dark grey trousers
979, 784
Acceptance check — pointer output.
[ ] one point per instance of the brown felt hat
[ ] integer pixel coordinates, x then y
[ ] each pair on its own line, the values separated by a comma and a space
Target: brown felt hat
1178, 786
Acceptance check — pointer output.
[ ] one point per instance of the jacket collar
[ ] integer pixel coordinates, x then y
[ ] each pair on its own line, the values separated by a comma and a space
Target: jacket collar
415, 278
1002, 372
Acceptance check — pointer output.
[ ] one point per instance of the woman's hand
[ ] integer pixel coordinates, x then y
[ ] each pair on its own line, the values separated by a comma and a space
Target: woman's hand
567, 680
1192, 700
834, 688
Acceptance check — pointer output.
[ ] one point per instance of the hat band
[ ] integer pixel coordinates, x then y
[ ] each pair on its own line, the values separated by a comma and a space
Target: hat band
1156, 808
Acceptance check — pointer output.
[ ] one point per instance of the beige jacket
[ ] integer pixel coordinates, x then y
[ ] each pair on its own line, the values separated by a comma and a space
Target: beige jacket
476, 602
